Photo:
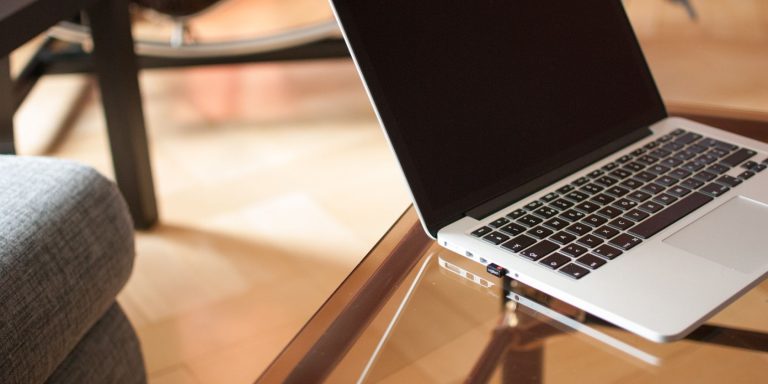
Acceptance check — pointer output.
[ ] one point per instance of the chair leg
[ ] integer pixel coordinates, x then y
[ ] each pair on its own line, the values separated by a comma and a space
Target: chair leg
117, 71
7, 108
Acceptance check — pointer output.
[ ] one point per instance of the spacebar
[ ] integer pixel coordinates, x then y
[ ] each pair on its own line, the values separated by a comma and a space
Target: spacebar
668, 216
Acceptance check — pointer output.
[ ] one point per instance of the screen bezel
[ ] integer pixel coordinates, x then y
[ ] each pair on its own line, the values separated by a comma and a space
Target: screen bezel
434, 218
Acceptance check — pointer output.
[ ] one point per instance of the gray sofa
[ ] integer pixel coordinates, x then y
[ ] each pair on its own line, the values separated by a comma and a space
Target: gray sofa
66, 250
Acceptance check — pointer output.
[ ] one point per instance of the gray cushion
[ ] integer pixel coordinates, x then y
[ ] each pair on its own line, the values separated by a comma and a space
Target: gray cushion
108, 353
66, 249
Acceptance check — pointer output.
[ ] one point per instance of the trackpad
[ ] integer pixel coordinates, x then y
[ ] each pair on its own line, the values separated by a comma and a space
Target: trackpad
734, 235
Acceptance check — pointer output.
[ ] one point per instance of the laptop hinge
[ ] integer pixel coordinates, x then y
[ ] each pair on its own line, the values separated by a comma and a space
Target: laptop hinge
494, 205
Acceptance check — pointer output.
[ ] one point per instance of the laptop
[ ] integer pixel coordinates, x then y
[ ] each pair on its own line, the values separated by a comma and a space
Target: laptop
534, 141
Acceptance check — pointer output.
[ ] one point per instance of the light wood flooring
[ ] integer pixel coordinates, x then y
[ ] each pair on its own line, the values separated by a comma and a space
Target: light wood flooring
274, 179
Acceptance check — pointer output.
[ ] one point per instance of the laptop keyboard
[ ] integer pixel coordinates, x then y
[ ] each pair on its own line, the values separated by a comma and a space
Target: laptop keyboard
582, 226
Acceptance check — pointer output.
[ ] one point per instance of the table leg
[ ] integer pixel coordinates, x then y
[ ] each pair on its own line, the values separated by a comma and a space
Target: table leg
117, 71
7, 108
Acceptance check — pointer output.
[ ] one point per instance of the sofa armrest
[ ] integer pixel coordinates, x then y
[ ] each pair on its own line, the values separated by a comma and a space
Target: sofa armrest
66, 249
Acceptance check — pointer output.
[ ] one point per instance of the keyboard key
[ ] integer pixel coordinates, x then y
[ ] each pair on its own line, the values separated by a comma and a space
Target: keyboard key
574, 250
749, 164
496, 238
579, 229
549, 197
631, 183
644, 176
726, 146
707, 142
512, 229
580, 181
670, 215
625, 204
621, 223
650, 207
561, 204
677, 132
687, 138
603, 199
728, 180
546, 212
530, 221
635, 167
639, 196
606, 181
498, 223
660, 153
572, 215
556, 223
607, 251
704, 176
638, 152
610, 166
609, 212
620, 174
672, 147
679, 173
624, 159
746, 175
678, 191
482, 231
693, 166
718, 168
636, 215
684, 155
594, 220
555, 260
577, 196
717, 152
625, 241
666, 180
647, 160
652, 188
714, 189
759, 168
738, 157
516, 214
590, 241
666, 138
587, 207
671, 162
533, 205
595, 174
574, 271
518, 243
565, 189
692, 183
617, 191
562, 238
696, 148
707, 158
606, 232
651, 145
592, 189
591, 261
540, 232
658, 169
539, 250
665, 199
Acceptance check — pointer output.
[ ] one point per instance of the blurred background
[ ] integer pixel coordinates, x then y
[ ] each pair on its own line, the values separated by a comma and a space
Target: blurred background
274, 179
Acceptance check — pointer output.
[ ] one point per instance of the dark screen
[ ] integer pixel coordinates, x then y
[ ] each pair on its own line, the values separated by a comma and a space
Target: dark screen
480, 97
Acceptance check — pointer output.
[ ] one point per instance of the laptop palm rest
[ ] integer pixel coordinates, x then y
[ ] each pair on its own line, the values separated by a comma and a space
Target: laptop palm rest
732, 235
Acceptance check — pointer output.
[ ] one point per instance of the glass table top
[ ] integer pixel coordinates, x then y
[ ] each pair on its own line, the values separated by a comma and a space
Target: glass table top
415, 312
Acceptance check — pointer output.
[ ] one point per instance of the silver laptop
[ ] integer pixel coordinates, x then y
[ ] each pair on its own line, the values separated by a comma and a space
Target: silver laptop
534, 141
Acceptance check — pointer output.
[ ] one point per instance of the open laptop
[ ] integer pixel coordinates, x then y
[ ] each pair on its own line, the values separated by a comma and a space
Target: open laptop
534, 140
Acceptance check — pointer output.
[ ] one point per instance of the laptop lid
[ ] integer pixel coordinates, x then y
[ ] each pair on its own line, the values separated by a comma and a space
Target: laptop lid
480, 98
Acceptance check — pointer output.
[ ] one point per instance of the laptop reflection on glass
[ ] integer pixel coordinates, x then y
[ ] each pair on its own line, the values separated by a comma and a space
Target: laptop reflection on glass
532, 136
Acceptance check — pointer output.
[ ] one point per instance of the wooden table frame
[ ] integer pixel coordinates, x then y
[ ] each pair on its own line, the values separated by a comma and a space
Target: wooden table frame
116, 69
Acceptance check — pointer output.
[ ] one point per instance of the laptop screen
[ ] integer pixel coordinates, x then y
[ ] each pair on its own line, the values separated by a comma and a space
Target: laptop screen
481, 97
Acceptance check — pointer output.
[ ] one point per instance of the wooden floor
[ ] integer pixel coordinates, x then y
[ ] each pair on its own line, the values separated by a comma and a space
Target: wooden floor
275, 179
